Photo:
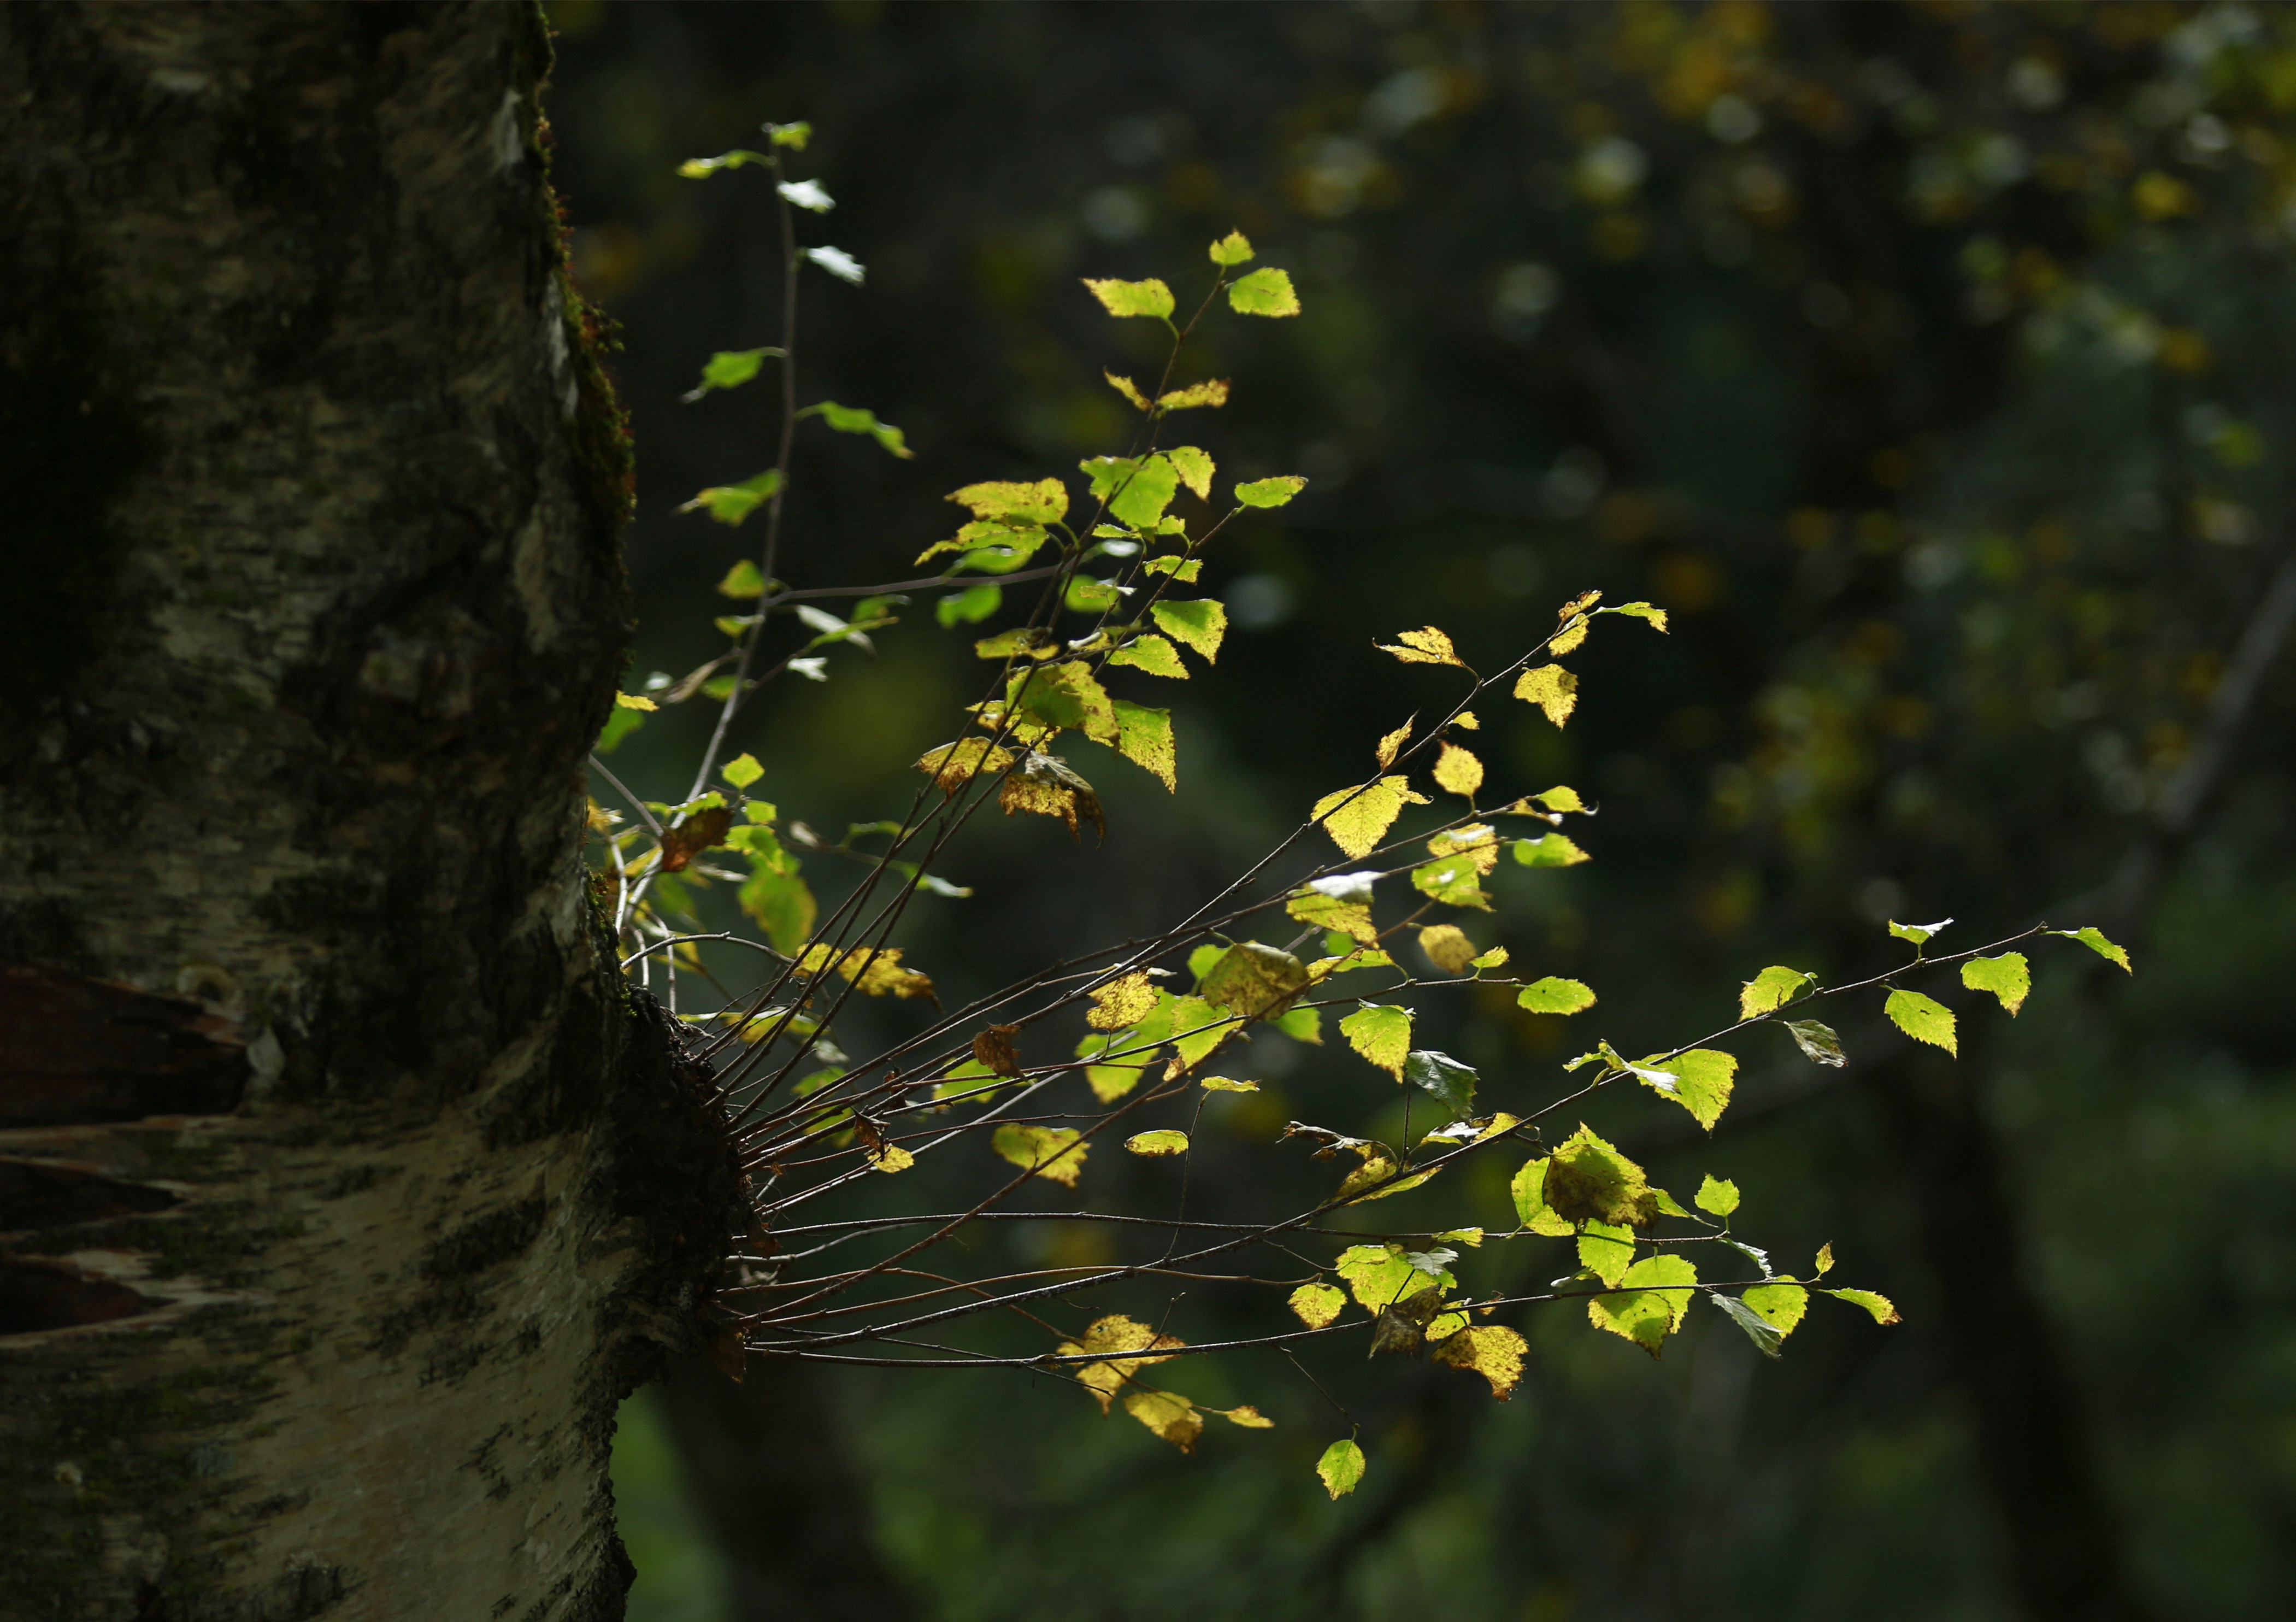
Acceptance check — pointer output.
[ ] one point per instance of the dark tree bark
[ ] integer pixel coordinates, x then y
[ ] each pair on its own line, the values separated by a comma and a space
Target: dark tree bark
343, 1188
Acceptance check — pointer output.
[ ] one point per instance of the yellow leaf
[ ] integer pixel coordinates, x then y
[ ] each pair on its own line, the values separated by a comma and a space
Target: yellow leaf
1247, 1416
1391, 745
1154, 654
1212, 393
1201, 623
952, 765
1650, 1306
1347, 916
1458, 771
891, 1158
1046, 786
1448, 948
1125, 386
1341, 1469
1126, 1346
1380, 1035
1551, 688
1163, 1141
1169, 1415
631, 701
1044, 502
1424, 646
1053, 1153
1357, 818
1465, 721
1317, 1304
1221, 1084
1193, 464
1478, 841
1567, 639
1125, 1000
1144, 736
1495, 1353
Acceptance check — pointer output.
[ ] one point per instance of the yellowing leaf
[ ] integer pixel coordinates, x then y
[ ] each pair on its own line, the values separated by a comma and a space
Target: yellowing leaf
1379, 1276
1452, 880
1233, 249
1221, 1084
1317, 1304
1341, 1469
1589, 1181
1380, 1035
1213, 392
1458, 771
1190, 463
1393, 744
1200, 624
1554, 996
1702, 1081
1527, 1189
1561, 798
1245, 1415
1253, 979
1163, 1141
2089, 936
1053, 1153
1046, 786
1356, 819
1144, 736
1151, 297
1551, 688
2006, 976
1183, 569
952, 765
1640, 611
742, 771
1717, 1196
1567, 639
1169, 1415
890, 1157
1495, 1353
1124, 1001
1817, 1041
1324, 911
1448, 948
1918, 933
1263, 292
1825, 1263
1424, 646
1922, 1019
1274, 492
1879, 1305
1496, 958
1064, 695
1771, 989
742, 581
1154, 654
1126, 1346
1019, 503
730, 504
1606, 1250
1780, 1306
1129, 390
1655, 1295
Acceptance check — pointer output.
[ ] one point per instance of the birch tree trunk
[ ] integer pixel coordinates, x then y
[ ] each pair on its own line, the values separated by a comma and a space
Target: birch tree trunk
343, 1190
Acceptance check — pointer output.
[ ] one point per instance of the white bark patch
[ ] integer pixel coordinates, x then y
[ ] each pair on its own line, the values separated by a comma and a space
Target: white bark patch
561, 360
531, 569
508, 137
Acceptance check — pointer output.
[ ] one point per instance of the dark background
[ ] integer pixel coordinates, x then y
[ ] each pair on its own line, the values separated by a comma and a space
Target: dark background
1929, 364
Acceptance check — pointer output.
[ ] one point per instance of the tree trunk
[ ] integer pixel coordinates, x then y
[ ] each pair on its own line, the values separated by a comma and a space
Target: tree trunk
343, 1188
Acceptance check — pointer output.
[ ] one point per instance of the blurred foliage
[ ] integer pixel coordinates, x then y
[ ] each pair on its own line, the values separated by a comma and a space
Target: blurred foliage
1928, 363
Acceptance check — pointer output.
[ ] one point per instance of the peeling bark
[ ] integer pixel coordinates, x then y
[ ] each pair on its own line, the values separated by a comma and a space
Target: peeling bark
344, 1190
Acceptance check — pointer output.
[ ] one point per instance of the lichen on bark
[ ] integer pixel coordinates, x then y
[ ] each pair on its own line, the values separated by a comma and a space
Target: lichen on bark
344, 1188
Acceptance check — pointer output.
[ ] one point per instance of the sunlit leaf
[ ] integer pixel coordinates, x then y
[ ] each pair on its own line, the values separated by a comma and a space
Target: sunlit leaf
1301, 1024
1588, 1180
742, 771
1129, 390
1151, 297
1452, 881
792, 135
1200, 624
1054, 1153
1193, 464
1458, 771
1221, 1084
1567, 639
1263, 292
1066, 694
1561, 798
1253, 979
1152, 653
1379, 1033
1640, 611
631, 701
701, 169
1656, 1296
1717, 1196
1245, 1415
1453, 1084
1182, 569
1446, 946
1274, 492
1879, 1305
890, 1157
1124, 1001
1044, 502
1341, 1469
1496, 958
1703, 1078
970, 606
1144, 736
1781, 1304
1555, 995
729, 369
782, 905
1606, 1250
1324, 911
1918, 933
1046, 786
1164, 1140
1550, 850
2006, 976
1125, 1345
837, 263
1393, 744
1170, 1416
1771, 989
806, 194
1551, 688
1759, 1330
730, 504
2091, 938
1233, 249
952, 765
859, 420
1817, 1041
1212, 392
1923, 1019
1358, 818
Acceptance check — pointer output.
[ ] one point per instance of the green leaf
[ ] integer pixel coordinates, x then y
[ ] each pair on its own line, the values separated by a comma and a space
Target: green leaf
1918, 933
1201, 960
1136, 489
1588, 1180
1453, 1084
2089, 936
1183, 570
1054, 1154
1233, 249
781, 904
2006, 976
1780, 1305
1606, 1250
1817, 1041
1193, 465
1879, 1305
730, 504
1659, 1295
970, 606
701, 169
1554, 996
1302, 1024
1553, 688
792, 135
1379, 1033
730, 368
1164, 1140
1561, 798
742, 771
1922, 1019
1454, 881
1154, 654
620, 724
859, 420
1758, 1329
1221, 1084
1199, 1028
1017, 502
1639, 610
1086, 595
1129, 390
742, 580
1527, 1189
1716, 1196
1064, 695
1771, 989
1253, 979
1200, 624
1263, 292
1550, 850
1317, 1304
1703, 1077
1356, 819
1341, 1469
1144, 736
1381, 1276
1274, 492
1151, 297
